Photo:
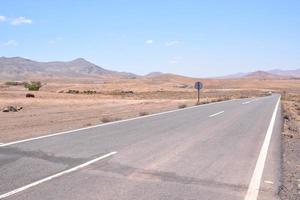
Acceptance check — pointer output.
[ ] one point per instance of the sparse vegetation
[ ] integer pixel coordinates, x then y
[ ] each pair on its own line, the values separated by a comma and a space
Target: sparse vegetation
107, 119
33, 85
89, 92
121, 92
291, 107
87, 125
242, 97
14, 83
73, 91
291, 147
182, 106
79, 92
143, 113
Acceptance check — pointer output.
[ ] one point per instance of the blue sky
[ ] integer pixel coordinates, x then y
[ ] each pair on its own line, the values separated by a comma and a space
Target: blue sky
195, 38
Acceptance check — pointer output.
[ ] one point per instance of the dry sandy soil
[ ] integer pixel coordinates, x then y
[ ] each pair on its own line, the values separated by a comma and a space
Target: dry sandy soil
290, 189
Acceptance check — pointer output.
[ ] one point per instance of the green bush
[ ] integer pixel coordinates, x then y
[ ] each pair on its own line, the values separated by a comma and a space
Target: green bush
33, 86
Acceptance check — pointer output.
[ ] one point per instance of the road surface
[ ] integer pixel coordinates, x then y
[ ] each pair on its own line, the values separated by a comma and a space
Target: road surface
227, 150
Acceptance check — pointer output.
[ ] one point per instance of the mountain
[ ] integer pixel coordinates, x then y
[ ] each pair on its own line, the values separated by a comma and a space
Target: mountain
264, 75
154, 74
271, 74
22, 68
293, 72
233, 76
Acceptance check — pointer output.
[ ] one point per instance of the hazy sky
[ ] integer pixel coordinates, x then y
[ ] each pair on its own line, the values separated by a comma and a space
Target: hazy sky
196, 38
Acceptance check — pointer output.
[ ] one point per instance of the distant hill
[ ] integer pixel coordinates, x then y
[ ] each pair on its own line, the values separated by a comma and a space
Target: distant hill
154, 74
15, 68
264, 75
18, 68
167, 78
233, 76
294, 73
271, 74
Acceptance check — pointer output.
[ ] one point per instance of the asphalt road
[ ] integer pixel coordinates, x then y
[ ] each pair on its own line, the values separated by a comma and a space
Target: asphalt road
218, 151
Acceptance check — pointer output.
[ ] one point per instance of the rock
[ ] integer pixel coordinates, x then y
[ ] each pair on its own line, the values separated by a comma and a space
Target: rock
12, 109
29, 95
5, 110
182, 85
127, 92
19, 108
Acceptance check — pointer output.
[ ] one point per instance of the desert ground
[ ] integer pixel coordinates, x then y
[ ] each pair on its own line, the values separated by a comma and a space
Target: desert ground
290, 145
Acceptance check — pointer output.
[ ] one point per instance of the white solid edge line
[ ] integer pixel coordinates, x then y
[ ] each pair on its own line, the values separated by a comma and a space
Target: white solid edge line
253, 188
254, 99
218, 113
110, 123
2, 196
246, 102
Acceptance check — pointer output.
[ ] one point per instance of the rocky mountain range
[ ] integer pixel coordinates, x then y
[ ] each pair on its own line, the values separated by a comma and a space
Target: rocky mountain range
270, 74
18, 68
15, 68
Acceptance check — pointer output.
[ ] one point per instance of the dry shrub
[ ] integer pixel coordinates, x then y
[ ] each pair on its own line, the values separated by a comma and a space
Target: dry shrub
14, 83
143, 113
73, 91
291, 115
182, 106
89, 92
109, 119
201, 102
243, 97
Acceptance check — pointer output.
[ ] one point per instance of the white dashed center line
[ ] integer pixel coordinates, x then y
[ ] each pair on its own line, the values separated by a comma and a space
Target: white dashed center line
2, 196
269, 182
218, 113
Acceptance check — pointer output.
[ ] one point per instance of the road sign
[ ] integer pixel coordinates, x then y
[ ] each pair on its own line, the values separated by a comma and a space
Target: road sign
198, 86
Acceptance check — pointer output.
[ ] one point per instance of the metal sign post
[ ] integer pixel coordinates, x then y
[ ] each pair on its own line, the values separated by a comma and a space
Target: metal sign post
198, 86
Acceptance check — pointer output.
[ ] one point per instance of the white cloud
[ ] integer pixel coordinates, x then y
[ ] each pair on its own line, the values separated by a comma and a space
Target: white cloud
172, 43
175, 60
55, 40
149, 41
15, 21
20, 20
2, 18
10, 43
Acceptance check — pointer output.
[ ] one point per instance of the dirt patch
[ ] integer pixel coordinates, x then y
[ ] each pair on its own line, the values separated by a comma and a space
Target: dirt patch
290, 189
